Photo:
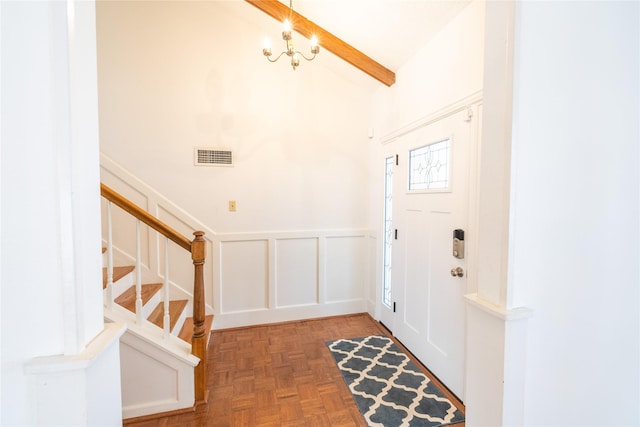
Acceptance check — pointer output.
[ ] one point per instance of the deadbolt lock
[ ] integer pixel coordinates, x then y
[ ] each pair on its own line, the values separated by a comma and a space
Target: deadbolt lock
458, 244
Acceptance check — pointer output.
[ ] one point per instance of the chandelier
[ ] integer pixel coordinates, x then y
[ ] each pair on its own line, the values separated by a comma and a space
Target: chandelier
290, 50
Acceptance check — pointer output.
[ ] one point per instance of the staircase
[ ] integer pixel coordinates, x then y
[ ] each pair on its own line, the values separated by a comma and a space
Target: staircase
163, 351
152, 303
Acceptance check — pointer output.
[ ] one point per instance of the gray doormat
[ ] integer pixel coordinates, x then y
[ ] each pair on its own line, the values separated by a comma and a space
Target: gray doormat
389, 389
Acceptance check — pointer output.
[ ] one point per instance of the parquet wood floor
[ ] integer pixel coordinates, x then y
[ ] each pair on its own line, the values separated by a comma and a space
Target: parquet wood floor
279, 375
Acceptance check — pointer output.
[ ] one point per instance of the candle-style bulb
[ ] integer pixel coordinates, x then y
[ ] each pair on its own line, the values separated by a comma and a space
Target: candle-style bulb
266, 49
314, 45
286, 31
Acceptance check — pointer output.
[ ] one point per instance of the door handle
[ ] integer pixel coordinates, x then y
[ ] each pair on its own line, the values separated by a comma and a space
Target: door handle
457, 272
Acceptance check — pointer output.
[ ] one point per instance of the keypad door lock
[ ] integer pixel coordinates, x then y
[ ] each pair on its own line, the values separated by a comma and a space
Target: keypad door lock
458, 243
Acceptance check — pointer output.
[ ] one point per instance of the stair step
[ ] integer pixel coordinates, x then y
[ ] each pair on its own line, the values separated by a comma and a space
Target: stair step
187, 329
175, 309
128, 298
118, 273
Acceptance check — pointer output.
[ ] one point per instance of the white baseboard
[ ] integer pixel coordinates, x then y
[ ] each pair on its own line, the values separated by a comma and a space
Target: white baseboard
278, 315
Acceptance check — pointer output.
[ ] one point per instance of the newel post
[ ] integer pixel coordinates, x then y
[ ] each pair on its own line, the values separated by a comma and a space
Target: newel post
199, 340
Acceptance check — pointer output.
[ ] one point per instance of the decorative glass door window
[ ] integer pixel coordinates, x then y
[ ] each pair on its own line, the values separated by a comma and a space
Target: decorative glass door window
388, 237
429, 166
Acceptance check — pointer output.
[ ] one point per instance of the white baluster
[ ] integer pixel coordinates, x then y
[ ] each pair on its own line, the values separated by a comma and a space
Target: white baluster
167, 316
109, 258
139, 317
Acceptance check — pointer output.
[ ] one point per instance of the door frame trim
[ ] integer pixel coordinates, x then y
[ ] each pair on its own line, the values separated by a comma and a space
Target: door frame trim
437, 115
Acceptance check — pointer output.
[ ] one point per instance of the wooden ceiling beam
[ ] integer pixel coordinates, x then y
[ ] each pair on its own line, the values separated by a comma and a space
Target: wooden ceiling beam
333, 44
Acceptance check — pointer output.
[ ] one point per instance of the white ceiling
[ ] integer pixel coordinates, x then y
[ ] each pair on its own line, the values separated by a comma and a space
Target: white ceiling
388, 31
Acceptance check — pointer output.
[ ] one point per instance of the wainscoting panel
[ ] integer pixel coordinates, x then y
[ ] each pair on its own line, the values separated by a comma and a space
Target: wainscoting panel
259, 277
346, 262
296, 272
275, 277
244, 276
374, 278
153, 379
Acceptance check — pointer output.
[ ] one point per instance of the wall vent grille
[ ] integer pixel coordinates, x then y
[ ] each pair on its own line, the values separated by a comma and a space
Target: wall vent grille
204, 156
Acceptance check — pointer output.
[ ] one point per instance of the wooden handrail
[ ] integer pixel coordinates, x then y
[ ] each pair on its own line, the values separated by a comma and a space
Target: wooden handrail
144, 216
198, 254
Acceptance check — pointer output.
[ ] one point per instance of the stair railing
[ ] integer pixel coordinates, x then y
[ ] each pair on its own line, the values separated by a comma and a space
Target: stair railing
197, 249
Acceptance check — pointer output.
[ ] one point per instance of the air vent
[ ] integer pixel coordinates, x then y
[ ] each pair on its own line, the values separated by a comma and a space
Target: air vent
212, 157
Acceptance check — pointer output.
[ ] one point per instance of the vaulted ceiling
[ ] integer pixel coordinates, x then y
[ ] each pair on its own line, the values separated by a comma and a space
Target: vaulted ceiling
375, 36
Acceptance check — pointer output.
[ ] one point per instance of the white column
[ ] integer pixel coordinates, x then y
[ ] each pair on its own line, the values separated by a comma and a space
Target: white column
496, 331
51, 262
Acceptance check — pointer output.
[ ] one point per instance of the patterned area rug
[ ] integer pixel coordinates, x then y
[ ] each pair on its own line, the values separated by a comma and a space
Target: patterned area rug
389, 389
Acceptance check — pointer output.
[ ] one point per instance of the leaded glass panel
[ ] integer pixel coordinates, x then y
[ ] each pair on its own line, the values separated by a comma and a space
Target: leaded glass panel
429, 166
388, 238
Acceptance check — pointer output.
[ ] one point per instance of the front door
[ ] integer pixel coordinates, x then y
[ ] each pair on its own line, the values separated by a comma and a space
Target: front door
430, 205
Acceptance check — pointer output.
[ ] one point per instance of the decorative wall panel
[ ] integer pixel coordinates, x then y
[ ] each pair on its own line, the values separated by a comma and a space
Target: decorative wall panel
346, 261
244, 275
296, 271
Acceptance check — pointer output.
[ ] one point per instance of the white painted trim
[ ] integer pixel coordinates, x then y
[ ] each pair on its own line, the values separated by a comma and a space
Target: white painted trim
271, 313
272, 275
286, 314
274, 313
174, 346
322, 271
115, 169
440, 114
79, 389
496, 311
180, 391
109, 336
295, 234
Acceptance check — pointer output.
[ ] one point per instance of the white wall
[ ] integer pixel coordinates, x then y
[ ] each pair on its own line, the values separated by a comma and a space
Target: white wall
51, 296
174, 75
445, 70
249, 278
576, 81
493, 377
575, 211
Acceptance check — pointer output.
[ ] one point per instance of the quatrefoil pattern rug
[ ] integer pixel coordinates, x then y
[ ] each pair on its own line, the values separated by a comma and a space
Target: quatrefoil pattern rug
389, 389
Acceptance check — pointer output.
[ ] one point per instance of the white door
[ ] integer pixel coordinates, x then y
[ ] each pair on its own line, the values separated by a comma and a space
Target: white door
430, 201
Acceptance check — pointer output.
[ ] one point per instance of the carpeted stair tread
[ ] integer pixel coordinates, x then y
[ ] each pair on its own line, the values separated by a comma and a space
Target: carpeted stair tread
175, 309
118, 273
128, 298
187, 329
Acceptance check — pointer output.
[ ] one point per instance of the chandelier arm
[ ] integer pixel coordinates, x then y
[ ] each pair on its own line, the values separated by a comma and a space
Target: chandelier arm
278, 57
303, 55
